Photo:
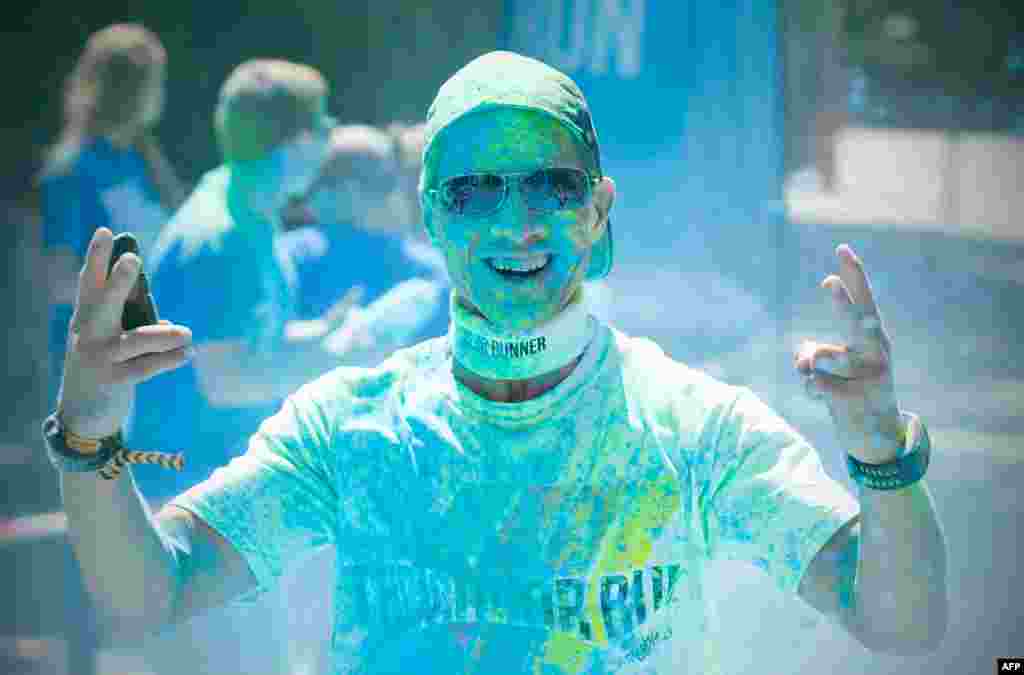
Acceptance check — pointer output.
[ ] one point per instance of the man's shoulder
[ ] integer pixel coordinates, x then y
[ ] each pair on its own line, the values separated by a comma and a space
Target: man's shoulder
62, 165
668, 396
646, 368
366, 388
73, 157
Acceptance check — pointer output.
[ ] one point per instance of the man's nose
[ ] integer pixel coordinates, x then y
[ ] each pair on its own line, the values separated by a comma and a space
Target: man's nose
517, 223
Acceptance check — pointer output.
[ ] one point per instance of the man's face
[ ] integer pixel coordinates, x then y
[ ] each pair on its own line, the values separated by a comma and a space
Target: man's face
517, 267
356, 187
285, 172
297, 163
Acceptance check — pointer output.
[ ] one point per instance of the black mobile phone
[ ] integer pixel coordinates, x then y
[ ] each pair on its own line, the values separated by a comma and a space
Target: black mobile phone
140, 309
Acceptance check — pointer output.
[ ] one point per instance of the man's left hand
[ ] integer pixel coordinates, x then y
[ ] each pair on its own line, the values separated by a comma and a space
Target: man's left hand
855, 379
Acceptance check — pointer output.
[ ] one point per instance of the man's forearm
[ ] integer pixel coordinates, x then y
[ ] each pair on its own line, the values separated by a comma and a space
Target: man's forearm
129, 564
901, 576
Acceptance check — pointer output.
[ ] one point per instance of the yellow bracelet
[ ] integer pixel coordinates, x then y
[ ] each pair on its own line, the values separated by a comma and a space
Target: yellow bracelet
111, 464
86, 446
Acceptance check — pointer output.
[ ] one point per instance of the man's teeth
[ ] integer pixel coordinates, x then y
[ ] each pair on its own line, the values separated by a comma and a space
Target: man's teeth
531, 264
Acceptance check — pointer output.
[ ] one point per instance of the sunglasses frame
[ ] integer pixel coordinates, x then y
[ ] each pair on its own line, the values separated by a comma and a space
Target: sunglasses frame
507, 180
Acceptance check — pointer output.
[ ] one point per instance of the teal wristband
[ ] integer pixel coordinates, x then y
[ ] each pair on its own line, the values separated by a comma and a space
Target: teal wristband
901, 472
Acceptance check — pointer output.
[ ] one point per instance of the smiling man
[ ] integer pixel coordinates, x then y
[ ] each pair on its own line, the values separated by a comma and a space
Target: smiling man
534, 492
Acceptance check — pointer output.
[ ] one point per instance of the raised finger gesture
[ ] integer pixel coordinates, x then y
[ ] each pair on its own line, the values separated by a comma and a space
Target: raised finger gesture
104, 362
855, 378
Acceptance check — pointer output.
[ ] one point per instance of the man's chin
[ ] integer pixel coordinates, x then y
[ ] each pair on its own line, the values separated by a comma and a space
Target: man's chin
519, 317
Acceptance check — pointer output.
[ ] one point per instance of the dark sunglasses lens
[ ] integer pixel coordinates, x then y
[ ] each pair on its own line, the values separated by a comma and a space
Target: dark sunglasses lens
553, 189
473, 195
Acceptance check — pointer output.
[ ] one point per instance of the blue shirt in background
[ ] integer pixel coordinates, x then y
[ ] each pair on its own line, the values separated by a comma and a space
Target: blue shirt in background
330, 260
95, 185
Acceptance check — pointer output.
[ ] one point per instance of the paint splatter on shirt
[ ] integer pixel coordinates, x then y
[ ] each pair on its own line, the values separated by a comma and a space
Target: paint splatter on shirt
567, 534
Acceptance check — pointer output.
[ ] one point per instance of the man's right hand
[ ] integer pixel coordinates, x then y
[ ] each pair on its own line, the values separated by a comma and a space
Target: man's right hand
103, 362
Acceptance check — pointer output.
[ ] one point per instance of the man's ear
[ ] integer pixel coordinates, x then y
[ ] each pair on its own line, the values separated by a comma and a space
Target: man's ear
426, 208
604, 198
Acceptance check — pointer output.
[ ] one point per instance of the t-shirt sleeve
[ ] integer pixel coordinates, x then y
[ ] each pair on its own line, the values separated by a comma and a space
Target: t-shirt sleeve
276, 503
771, 502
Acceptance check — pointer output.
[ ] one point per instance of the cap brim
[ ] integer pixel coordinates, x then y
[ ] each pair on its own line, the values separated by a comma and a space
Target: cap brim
601, 256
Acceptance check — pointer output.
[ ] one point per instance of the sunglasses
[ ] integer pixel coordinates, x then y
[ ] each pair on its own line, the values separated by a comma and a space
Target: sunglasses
546, 190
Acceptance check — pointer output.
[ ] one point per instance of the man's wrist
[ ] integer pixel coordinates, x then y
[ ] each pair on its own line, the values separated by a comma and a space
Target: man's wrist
905, 469
883, 440
82, 444
72, 453
88, 430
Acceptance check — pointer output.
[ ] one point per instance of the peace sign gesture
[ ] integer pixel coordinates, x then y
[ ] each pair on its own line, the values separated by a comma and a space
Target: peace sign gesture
103, 363
855, 378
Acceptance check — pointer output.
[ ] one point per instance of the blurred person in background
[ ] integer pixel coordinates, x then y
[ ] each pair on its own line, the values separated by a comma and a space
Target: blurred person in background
220, 267
107, 168
537, 491
352, 229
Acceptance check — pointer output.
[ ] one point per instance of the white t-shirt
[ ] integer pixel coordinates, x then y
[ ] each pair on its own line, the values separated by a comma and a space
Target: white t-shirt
565, 534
